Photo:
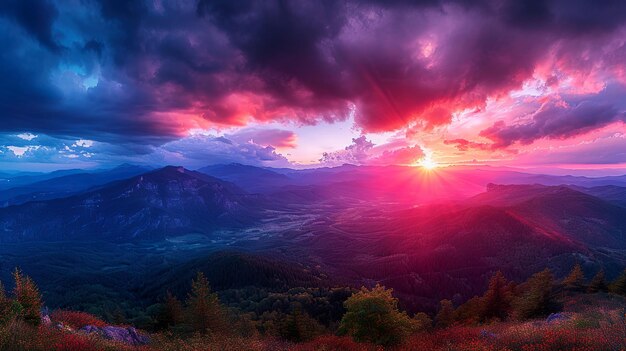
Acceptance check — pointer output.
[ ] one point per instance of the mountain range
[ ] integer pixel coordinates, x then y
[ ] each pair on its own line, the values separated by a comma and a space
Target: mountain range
428, 235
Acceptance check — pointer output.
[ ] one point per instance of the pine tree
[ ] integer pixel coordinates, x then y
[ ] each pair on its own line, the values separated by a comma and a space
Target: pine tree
469, 312
619, 285
575, 280
5, 306
496, 302
204, 312
298, 326
445, 316
536, 297
172, 313
27, 295
598, 283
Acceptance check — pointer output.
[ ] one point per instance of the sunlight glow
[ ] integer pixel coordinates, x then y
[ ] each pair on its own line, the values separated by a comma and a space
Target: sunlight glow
428, 163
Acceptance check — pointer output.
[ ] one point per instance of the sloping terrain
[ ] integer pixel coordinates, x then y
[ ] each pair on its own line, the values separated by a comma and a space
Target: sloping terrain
165, 202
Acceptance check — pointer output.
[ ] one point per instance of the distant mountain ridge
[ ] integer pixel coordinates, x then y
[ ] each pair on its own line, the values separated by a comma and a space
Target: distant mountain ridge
250, 178
167, 201
66, 184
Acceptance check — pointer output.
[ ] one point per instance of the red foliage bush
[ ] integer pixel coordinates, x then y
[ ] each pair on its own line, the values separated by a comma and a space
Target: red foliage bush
73, 342
335, 343
76, 319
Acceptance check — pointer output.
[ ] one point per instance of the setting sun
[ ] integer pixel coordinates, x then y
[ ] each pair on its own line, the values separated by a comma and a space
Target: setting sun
428, 163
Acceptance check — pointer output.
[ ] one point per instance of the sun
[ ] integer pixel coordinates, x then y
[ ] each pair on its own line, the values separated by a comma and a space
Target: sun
428, 163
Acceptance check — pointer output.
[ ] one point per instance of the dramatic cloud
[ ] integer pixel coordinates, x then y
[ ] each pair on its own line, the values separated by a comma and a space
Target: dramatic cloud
268, 137
194, 151
465, 145
364, 152
559, 119
201, 150
148, 72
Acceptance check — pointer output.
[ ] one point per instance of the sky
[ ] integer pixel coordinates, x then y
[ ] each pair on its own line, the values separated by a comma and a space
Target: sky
95, 83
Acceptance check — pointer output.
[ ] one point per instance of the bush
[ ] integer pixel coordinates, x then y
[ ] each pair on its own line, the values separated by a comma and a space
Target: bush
73, 342
373, 316
334, 343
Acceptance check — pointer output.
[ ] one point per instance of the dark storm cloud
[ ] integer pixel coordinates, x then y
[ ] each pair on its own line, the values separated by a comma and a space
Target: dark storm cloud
146, 72
35, 17
561, 119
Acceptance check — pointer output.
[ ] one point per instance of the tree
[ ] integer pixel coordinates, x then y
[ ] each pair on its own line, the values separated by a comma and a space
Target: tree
204, 312
422, 322
496, 302
619, 285
28, 296
445, 316
598, 283
299, 326
469, 312
171, 312
6, 306
536, 297
373, 316
575, 280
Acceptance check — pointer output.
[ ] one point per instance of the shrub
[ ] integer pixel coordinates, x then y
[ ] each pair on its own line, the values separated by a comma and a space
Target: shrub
373, 316
73, 342
335, 343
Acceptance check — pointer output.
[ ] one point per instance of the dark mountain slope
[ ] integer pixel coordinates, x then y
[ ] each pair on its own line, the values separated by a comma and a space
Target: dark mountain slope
234, 270
161, 203
562, 211
612, 193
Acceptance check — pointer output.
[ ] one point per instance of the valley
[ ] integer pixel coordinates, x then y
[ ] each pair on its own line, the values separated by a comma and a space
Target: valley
426, 250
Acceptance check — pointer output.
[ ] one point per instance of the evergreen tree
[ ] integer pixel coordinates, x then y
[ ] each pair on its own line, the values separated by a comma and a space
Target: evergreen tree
27, 295
6, 306
575, 280
619, 285
536, 297
298, 326
496, 302
445, 316
469, 312
172, 311
598, 283
373, 316
204, 312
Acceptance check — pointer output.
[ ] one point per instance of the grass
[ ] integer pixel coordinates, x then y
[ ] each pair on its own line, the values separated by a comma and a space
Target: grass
591, 328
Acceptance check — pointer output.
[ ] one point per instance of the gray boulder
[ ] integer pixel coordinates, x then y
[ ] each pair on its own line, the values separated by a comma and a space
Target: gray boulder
557, 317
